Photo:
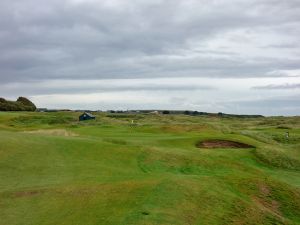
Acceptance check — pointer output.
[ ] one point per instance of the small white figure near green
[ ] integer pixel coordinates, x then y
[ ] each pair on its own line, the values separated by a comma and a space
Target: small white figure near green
287, 135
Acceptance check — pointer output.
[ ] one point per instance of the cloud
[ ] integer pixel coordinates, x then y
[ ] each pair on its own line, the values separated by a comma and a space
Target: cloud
276, 87
269, 106
104, 86
284, 73
228, 95
196, 53
129, 39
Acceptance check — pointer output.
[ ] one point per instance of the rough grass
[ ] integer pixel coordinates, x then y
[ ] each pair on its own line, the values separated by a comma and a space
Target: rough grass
56, 170
277, 157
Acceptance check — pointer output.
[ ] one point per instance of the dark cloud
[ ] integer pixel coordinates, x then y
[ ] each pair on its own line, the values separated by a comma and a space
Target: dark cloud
42, 42
124, 39
99, 86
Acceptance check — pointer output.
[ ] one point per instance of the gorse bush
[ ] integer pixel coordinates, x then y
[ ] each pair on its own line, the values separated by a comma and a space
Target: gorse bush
22, 104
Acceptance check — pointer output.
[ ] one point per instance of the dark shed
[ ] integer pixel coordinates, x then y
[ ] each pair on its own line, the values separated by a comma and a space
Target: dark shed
86, 116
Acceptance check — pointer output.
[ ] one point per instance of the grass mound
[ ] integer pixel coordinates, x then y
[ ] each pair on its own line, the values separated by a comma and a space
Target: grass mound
277, 157
42, 119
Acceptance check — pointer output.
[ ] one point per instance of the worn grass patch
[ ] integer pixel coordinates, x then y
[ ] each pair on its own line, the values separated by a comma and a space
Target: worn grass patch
222, 144
55, 132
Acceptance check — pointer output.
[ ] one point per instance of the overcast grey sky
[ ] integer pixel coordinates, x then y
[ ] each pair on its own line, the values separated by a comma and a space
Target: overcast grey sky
237, 56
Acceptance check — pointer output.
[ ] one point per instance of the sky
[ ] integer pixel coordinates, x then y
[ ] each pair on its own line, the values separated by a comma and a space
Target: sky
237, 56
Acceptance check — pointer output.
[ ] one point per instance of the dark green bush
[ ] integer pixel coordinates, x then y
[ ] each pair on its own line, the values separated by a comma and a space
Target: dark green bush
22, 104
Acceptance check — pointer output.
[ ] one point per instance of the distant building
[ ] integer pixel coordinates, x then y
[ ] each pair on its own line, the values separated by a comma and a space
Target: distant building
154, 112
41, 109
86, 116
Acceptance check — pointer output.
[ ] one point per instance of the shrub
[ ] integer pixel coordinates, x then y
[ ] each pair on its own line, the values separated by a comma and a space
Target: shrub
22, 104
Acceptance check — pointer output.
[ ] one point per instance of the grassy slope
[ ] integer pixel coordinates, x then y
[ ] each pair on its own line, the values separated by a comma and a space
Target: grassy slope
55, 170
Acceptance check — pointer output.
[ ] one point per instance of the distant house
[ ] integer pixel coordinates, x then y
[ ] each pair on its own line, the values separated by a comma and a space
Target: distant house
41, 109
154, 112
86, 116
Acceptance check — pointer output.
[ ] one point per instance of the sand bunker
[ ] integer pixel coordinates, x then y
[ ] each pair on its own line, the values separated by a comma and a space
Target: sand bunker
222, 144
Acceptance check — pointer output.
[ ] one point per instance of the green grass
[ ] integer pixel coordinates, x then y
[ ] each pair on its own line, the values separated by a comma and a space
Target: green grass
56, 170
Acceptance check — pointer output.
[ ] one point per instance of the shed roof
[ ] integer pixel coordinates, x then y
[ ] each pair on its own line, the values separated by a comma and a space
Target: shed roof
88, 114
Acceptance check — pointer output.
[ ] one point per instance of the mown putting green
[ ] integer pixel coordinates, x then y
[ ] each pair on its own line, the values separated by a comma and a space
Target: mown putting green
57, 170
